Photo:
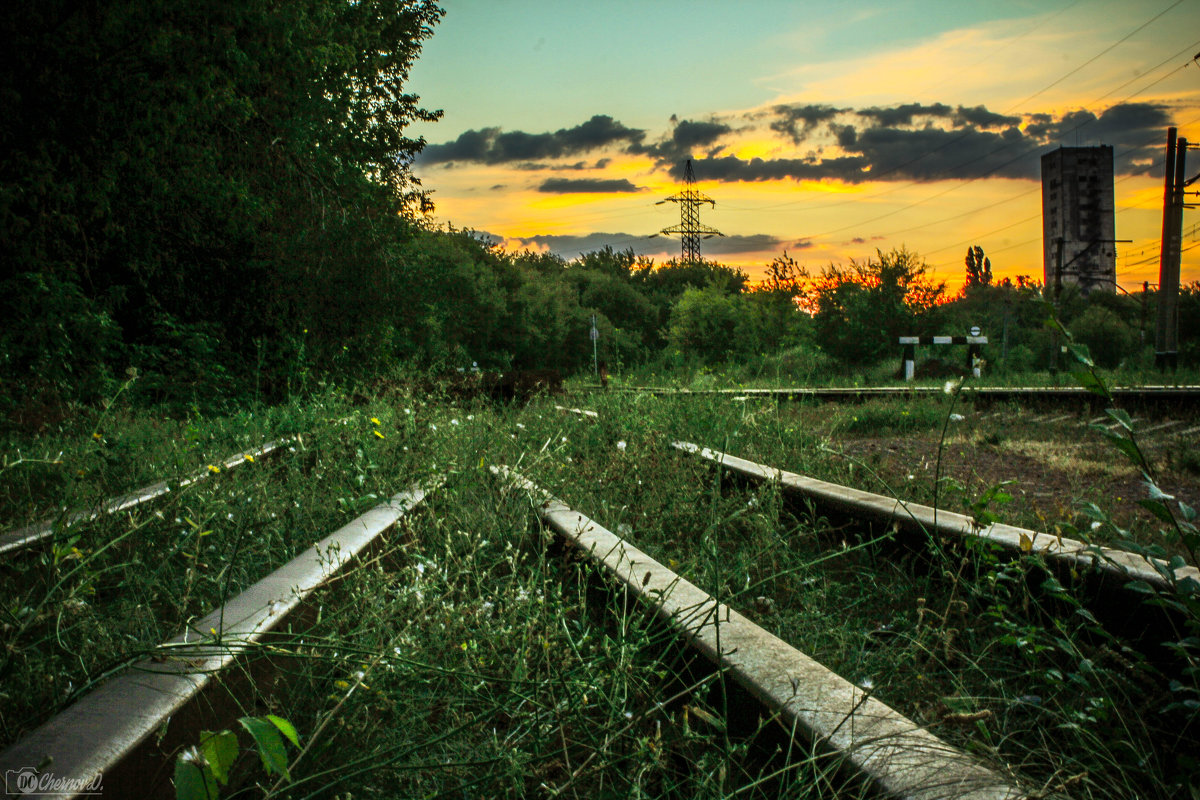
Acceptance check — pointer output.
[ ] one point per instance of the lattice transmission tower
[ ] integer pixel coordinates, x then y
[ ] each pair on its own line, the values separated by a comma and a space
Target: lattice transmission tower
689, 228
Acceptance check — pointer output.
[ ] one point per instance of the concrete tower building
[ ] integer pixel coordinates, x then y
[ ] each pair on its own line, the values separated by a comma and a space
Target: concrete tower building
1078, 219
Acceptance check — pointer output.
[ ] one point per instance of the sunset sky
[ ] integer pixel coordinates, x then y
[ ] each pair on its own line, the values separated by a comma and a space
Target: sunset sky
823, 130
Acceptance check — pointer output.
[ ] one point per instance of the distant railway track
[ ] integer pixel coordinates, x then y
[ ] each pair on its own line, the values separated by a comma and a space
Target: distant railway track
47, 530
118, 732
1117, 567
1142, 398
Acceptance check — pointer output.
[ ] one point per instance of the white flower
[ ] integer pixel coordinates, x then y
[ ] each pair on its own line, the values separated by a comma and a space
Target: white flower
957, 417
519, 425
621, 445
453, 422
420, 568
432, 427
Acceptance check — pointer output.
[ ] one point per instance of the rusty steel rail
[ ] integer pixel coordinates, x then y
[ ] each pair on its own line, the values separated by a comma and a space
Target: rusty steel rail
1058, 396
1071, 553
30, 535
890, 752
105, 736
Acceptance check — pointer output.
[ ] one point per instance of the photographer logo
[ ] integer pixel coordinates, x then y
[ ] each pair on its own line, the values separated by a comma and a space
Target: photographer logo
30, 781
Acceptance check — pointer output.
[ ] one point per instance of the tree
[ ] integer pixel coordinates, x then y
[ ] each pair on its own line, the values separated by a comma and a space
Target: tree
230, 167
781, 322
979, 269
861, 310
710, 325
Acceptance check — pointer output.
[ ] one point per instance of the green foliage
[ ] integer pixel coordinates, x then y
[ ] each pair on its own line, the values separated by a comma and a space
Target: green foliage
198, 770
710, 325
862, 309
1107, 336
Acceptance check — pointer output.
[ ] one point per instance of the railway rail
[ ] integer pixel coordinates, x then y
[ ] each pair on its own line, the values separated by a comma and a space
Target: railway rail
116, 733
892, 754
1150, 398
1120, 566
41, 532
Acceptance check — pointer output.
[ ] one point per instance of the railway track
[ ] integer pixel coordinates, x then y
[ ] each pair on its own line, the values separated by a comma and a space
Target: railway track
116, 736
1118, 567
1148, 399
890, 753
192, 678
47, 530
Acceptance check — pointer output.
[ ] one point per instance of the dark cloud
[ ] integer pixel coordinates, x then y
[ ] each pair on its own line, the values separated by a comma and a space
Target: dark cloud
754, 243
1135, 130
569, 247
904, 143
578, 166
574, 185
686, 137
731, 168
980, 117
931, 154
904, 114
797, 122
494, 146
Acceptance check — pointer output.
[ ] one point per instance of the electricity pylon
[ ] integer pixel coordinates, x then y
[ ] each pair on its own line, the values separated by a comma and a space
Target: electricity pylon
689, 228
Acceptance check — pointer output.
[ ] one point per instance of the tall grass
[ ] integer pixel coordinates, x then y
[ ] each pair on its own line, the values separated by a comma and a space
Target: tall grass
473, 656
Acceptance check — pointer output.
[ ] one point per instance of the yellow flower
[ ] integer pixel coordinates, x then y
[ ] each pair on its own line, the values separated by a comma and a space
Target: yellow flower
97, 437
377, 433
375, 420
249, 458
214, 469
213, 631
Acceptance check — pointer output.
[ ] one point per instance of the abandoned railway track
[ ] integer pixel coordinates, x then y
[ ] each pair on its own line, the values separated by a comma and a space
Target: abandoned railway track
907, 705
1147, 399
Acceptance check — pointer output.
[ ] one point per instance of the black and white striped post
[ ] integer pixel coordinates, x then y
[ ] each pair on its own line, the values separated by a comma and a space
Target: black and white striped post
972, 342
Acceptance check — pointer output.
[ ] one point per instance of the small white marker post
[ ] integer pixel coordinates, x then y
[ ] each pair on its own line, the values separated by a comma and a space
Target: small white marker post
973, 342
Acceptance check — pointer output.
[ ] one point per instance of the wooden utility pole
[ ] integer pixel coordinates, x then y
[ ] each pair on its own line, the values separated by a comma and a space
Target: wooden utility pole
1166, 335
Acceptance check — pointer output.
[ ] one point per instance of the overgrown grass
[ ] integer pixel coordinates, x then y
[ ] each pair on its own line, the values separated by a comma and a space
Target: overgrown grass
472, 656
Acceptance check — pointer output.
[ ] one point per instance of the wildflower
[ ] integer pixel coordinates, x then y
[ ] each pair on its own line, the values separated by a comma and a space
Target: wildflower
214, 469
621, 445
957, 417
377, 433
453, 422
432, 427
408, 411
213, 631
97, 437
192, 755
249, 458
